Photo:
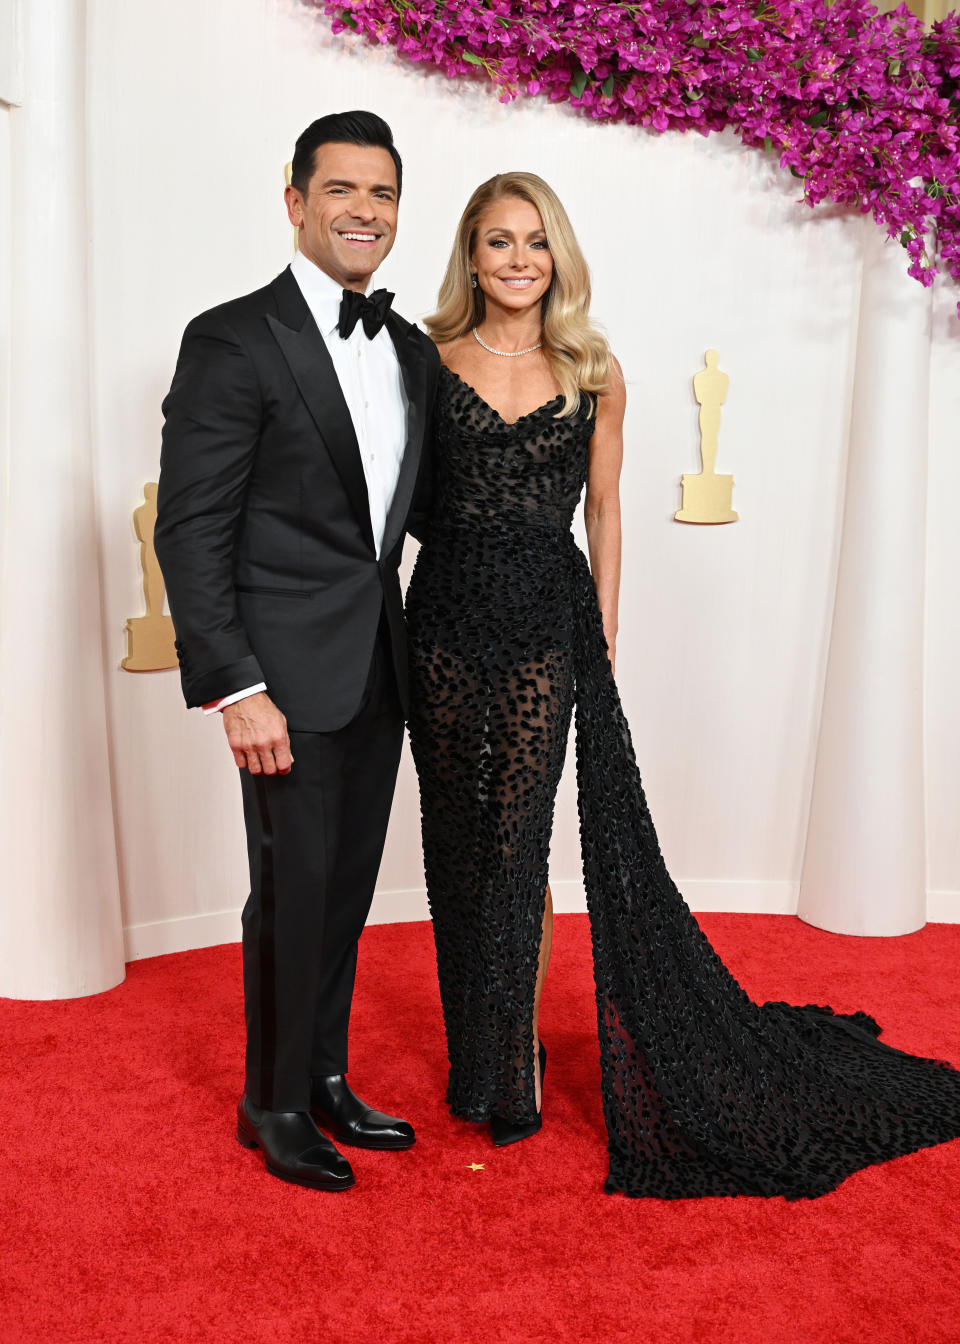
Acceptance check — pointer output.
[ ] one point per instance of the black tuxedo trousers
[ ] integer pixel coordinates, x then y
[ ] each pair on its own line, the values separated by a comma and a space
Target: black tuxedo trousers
315, 839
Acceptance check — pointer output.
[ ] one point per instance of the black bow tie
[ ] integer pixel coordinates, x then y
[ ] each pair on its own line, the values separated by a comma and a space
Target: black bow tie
372, 311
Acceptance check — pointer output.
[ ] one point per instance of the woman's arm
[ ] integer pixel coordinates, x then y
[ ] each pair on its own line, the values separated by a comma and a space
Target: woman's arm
601, 510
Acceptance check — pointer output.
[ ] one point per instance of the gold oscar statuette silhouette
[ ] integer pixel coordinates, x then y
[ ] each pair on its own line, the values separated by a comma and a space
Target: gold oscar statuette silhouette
707, 497
150, 637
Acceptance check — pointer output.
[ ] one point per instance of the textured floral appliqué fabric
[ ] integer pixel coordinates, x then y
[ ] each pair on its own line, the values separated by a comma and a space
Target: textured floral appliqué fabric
704, 1091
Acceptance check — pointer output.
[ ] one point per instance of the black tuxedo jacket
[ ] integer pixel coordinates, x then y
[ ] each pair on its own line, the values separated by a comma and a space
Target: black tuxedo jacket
263, 530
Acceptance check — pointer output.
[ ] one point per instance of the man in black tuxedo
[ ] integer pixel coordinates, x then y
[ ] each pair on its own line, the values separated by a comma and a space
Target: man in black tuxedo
294, 460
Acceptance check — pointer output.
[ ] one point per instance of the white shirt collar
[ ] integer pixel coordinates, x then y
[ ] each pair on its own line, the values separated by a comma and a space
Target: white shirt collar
322, 293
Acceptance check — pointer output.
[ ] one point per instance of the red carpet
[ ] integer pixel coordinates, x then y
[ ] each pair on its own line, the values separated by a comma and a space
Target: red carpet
130, 1213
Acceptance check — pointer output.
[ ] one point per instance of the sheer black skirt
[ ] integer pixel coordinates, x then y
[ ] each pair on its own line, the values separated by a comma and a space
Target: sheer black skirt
704, 1091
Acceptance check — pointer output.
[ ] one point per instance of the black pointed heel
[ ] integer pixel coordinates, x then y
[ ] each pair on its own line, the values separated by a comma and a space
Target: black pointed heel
503, 1132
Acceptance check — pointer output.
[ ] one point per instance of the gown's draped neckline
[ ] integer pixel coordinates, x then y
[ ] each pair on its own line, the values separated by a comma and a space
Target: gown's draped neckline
704, 1091
507, 424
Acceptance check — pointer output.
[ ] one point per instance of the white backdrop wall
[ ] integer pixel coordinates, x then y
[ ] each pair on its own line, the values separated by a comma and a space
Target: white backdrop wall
943, 615
191, 113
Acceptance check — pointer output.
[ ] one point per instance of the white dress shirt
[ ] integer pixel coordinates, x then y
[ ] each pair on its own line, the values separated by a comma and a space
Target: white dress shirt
369, 375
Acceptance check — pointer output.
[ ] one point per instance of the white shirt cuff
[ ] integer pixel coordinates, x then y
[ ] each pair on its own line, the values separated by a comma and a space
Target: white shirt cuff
232, 699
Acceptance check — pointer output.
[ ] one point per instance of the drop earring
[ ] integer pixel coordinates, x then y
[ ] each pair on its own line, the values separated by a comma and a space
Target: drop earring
473, 282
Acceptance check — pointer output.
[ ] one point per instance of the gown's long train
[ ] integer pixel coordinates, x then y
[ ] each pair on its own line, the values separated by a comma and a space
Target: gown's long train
704, 1091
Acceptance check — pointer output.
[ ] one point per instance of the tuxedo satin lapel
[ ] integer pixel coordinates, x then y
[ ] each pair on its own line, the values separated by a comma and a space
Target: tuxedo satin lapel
412, 359
309, 361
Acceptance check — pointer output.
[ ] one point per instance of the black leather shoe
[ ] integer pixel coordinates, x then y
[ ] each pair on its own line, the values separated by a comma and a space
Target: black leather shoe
352, 1121
503, 1132
293, 1147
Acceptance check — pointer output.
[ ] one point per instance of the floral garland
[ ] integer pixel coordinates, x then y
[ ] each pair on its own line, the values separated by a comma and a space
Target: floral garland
863, 107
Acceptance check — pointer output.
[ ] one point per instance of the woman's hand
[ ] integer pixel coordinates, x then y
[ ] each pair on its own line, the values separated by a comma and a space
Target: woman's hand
611, 638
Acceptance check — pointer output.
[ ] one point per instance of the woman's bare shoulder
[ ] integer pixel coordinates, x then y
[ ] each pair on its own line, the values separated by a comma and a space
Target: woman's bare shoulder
614, 395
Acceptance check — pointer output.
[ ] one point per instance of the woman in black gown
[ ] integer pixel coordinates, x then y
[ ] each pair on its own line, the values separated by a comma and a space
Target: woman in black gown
704, 1091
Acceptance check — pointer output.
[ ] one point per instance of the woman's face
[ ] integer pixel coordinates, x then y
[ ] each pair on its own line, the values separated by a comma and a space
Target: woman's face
510, 257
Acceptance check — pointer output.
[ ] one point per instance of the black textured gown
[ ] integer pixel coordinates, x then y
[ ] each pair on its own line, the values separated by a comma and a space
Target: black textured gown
704, 1091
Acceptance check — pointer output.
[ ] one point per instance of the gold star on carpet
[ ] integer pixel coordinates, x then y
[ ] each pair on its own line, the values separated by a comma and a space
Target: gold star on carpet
475, 1166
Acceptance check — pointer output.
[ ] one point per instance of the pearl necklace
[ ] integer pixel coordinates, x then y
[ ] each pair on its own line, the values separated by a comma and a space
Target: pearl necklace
506, 354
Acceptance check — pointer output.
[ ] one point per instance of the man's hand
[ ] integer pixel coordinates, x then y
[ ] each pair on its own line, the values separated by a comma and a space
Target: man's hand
257, 733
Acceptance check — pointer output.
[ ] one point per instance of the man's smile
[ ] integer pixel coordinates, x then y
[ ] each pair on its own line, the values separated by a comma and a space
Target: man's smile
359, 237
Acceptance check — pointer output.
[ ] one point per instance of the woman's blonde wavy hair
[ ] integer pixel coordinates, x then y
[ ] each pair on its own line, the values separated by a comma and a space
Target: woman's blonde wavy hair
576, 350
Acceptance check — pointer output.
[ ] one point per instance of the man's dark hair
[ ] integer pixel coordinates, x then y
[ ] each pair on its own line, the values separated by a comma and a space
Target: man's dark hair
341, 128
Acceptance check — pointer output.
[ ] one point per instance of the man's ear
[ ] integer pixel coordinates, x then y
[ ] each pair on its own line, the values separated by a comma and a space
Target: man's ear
294, 203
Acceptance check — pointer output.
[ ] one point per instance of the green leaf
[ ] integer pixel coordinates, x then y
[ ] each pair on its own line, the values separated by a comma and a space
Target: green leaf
469, 57
700, 42
606, 88
767, 143
818, 119
578, 83
349, 20
893, 68
905, 237
753, 53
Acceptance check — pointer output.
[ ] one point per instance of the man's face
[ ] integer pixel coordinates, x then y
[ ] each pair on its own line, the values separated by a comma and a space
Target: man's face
348, 217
